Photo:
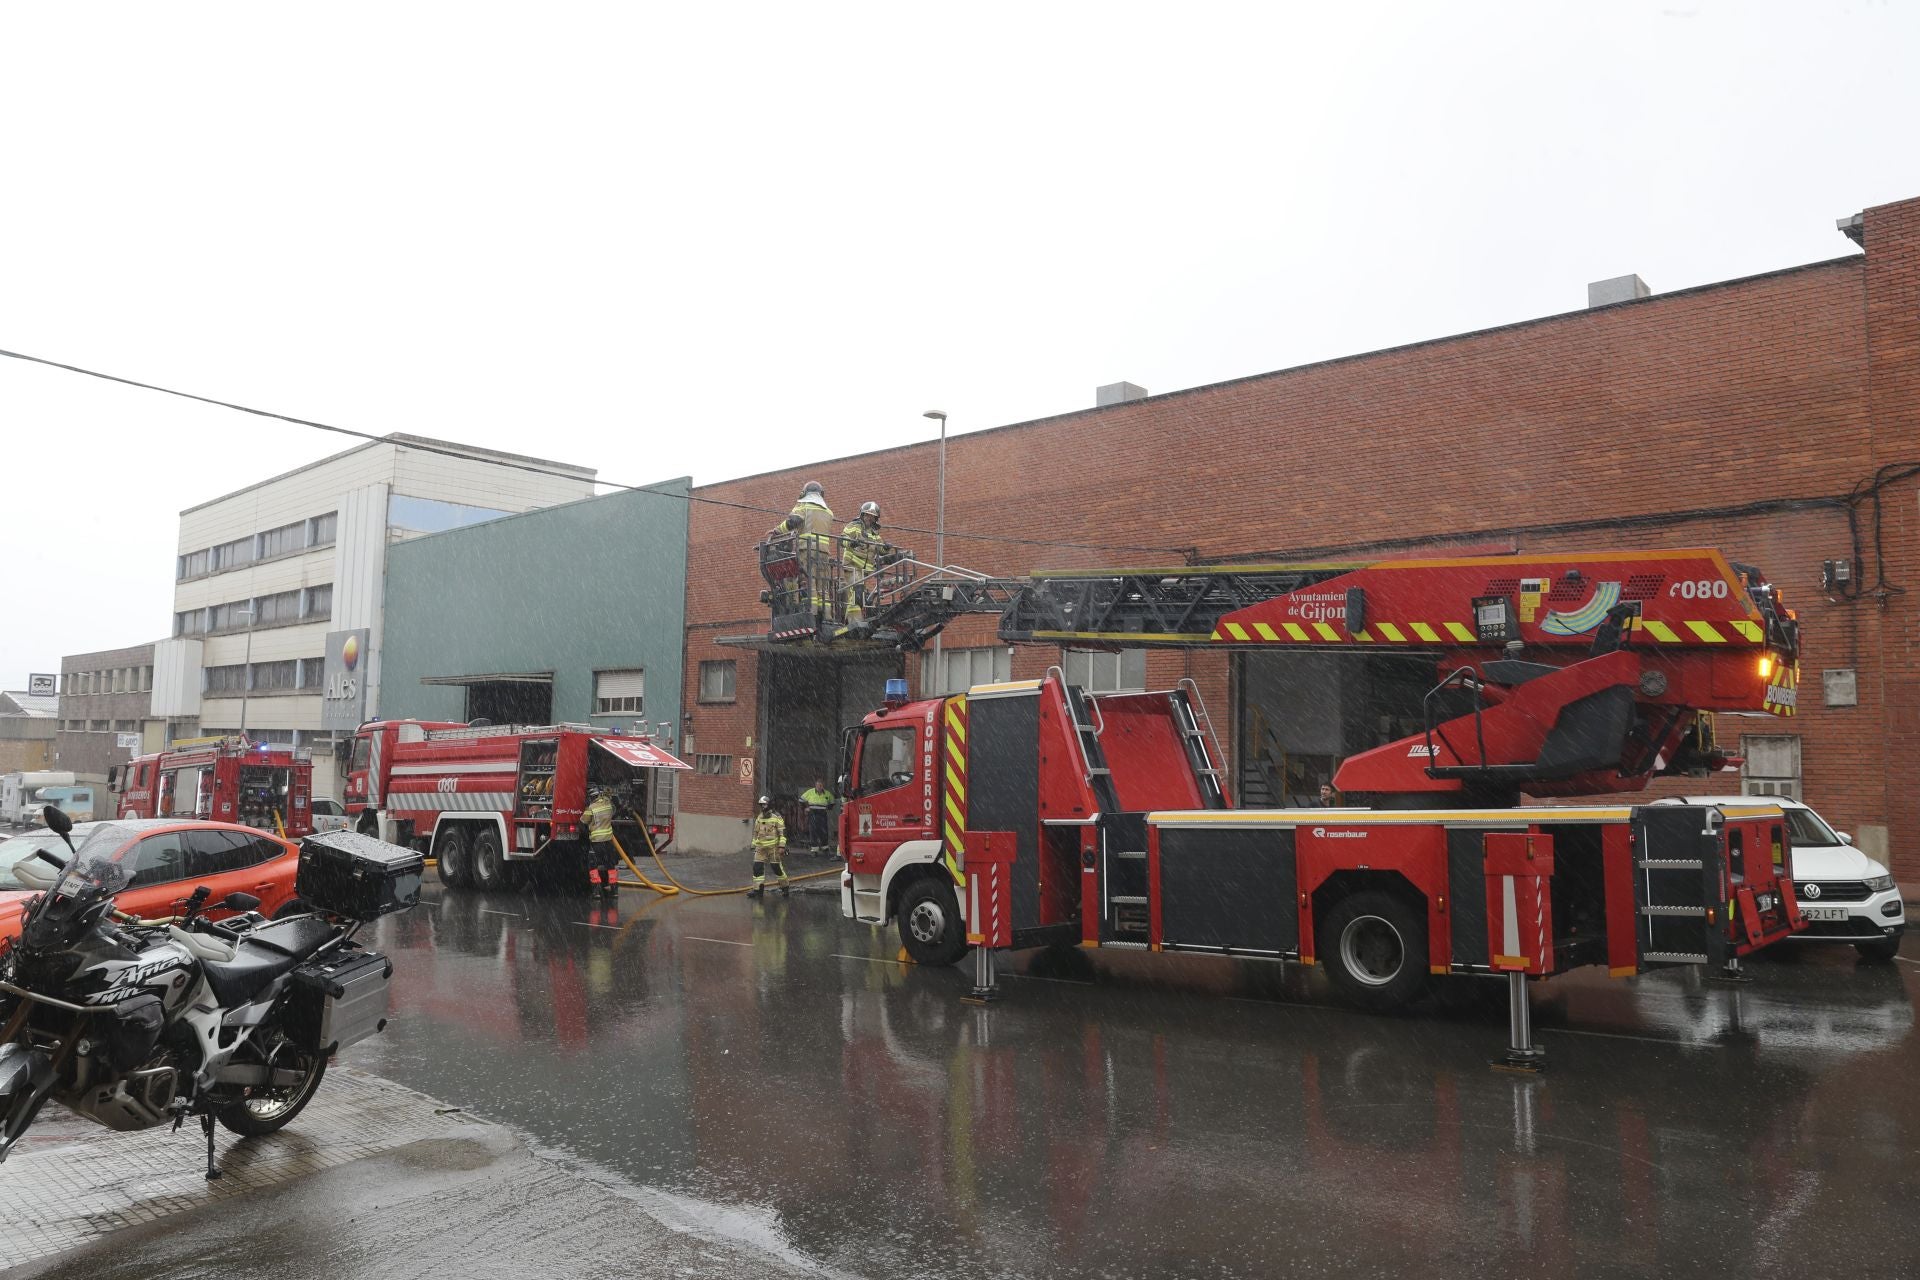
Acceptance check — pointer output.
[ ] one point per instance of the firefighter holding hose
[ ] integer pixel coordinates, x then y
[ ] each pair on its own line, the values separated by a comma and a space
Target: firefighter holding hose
769, 846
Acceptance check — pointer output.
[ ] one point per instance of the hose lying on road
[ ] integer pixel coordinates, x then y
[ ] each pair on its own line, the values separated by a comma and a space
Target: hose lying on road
673, 886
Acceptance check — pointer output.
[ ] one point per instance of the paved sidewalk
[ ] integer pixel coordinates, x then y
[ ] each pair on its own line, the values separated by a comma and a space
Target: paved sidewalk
373, 1180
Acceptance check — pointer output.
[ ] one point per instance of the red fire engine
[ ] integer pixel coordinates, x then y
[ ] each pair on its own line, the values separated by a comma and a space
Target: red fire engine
489, 800
222, 779
1031, 812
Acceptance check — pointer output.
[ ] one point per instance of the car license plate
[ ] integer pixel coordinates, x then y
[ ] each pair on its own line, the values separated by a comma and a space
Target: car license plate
1823, 913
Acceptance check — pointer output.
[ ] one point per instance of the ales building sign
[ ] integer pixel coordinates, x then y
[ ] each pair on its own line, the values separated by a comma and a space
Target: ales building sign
343, 696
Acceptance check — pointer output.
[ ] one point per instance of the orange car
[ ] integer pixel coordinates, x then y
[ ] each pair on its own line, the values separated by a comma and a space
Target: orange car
171, 857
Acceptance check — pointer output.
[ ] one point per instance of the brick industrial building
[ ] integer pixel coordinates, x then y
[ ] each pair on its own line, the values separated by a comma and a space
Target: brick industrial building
1755, 415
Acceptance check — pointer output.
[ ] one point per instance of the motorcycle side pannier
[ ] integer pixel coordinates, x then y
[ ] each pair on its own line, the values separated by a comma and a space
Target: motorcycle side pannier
340, 999
356, 876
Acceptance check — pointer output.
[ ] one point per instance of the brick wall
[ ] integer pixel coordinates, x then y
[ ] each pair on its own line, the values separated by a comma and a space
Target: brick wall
1746, 392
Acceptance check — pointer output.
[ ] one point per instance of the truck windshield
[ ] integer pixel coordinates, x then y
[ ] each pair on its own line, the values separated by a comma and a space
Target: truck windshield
361, 750
886, 760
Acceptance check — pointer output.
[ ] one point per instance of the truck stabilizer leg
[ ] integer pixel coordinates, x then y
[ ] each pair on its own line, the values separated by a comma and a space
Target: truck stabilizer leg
985, 990
1522, 1053
1732, 974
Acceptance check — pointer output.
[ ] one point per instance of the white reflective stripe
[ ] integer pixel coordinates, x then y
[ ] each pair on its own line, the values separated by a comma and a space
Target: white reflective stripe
1511, 937
441, 801
418, 770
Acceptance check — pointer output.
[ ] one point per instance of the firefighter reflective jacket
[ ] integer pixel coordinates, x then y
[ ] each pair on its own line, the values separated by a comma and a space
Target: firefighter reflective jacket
598, 815
862, 548
769, 832
812, 520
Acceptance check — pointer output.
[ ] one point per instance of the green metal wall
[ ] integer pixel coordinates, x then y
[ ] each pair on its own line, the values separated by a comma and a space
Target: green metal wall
590, 586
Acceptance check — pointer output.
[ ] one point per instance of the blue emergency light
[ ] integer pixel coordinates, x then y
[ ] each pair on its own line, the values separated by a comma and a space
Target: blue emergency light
896, 691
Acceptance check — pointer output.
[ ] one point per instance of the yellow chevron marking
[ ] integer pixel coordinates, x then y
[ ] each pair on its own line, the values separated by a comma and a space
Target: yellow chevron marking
1635, 622
1391, 632
1751, 630
1237, 631
955, 725
1266, 632
956, 762
1662, 632
1215, 635
1326, 632
953, 811
1424, 631
1364, 635
953, 838
1295, 630
1459, 633
1706, 631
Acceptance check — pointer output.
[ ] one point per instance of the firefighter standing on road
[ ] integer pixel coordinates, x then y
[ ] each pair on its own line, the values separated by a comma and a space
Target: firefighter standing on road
862, 551
811, 523
818, 801
597, 817
769, 845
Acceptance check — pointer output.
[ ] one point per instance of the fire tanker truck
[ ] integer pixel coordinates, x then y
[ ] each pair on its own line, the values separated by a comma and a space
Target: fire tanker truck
1032, 812
490, 801
222, 779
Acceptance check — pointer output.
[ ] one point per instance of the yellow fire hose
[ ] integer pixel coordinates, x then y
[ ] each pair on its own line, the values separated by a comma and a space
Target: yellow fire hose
673, 886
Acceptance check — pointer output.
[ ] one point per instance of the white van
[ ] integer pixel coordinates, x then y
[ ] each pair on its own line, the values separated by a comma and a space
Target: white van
1844, 895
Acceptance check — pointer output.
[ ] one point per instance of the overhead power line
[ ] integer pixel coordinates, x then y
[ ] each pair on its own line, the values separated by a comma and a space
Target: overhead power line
534, 467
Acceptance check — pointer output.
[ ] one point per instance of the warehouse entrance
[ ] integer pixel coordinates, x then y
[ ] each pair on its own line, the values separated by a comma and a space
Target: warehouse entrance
1301, 714
517, 698
807, 702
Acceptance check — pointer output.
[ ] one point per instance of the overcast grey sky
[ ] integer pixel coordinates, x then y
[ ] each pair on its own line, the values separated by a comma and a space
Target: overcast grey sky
713, 239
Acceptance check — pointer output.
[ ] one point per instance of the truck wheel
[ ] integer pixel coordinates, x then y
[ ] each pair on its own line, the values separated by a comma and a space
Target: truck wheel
930, 926
450, 856
1375, 949
489, 867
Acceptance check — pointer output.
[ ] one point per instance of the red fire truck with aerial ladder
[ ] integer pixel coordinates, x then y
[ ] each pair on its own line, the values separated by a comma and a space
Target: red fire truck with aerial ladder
1032, 812
221, 778
490, 801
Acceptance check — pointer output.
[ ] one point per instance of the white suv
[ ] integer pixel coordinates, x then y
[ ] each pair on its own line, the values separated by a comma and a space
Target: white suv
1844, 895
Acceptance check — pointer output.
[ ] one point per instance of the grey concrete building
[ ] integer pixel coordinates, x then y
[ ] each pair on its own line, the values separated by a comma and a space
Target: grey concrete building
105, 711
27, 724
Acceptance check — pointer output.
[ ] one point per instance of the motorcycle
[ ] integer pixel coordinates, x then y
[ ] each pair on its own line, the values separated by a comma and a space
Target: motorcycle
133, 1023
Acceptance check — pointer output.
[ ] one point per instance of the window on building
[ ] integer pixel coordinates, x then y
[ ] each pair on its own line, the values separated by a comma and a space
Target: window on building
960, 669
285, 540
119, 679
319, 601
313, 672
1772, 767
320, 529
146, 679
192, 622
230, 679
99, 726
231, 555
1122, 672
618, 693
126, 726
716, 680
276, 675
272, 737
230, 616
713, 766
280, 607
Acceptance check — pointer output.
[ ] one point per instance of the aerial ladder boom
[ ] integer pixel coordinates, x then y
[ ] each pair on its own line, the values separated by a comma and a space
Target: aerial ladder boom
1565, 674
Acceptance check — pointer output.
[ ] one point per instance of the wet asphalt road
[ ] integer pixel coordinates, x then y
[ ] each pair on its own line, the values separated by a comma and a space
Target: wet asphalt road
1169, 1116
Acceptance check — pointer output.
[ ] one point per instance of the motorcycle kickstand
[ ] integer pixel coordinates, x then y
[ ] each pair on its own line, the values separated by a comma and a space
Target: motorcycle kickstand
206, 1126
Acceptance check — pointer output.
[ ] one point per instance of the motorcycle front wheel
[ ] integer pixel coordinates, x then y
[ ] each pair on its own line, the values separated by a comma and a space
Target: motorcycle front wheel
269, 1109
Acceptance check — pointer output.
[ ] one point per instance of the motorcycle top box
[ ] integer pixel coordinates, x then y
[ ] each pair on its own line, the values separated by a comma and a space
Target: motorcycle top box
356, 876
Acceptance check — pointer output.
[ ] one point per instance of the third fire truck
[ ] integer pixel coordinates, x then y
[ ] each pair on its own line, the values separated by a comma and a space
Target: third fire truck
220, 779
1030, 812
489, 801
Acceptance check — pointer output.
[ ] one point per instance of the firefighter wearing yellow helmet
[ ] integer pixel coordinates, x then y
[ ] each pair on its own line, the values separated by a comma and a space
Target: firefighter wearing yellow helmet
862, 551
811, 523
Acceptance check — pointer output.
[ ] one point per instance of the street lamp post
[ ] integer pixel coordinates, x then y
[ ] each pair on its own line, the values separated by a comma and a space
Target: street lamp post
939, 535
246, 666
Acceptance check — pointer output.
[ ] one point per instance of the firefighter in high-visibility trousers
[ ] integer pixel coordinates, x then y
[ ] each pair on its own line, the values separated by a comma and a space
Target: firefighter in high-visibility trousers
811, 523
597, 817
769, 845
862, 550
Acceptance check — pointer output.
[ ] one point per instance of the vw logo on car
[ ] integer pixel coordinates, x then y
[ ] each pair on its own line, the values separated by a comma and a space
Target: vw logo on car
1810, 891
